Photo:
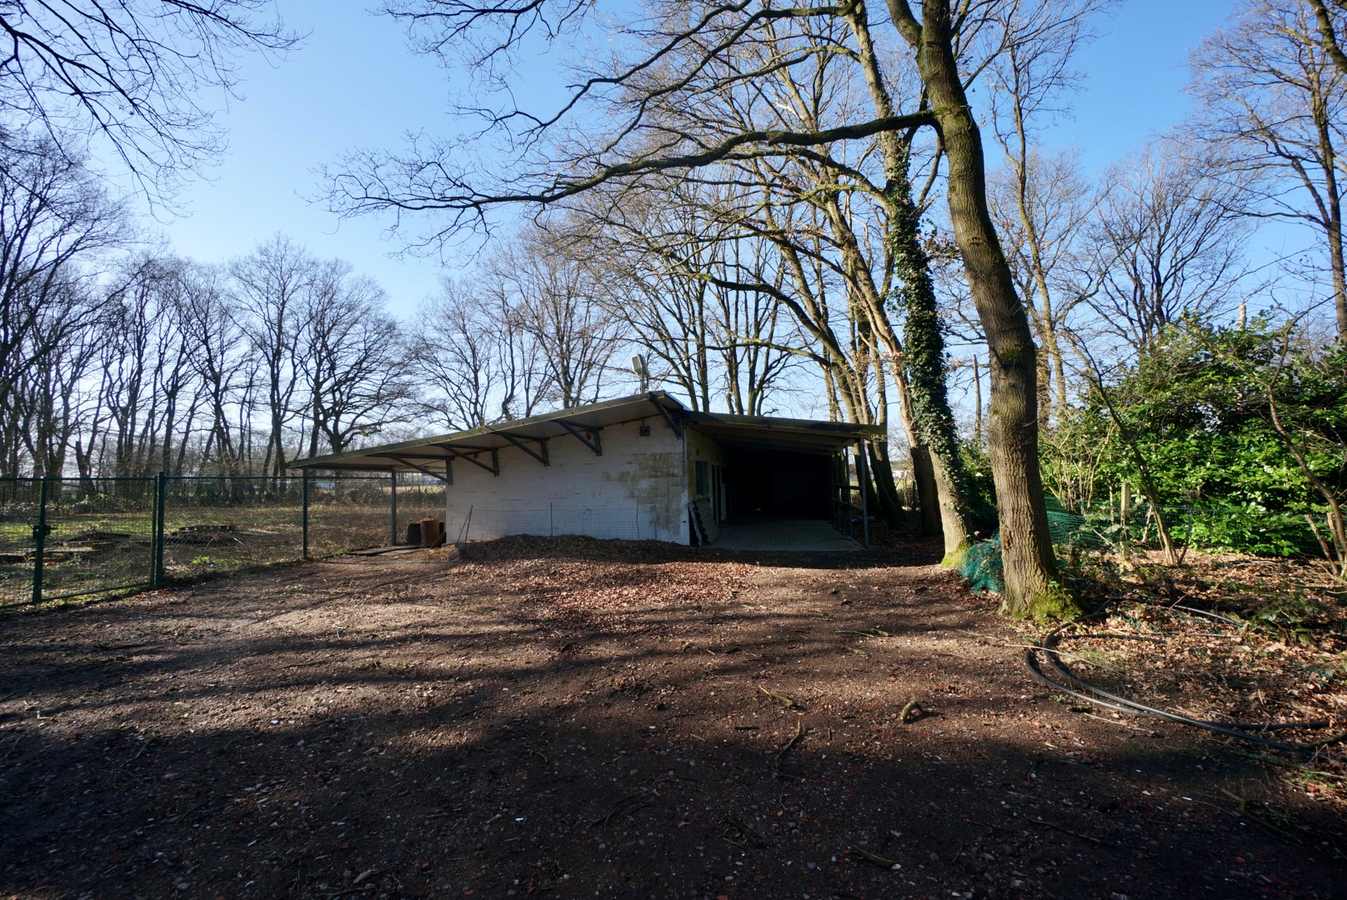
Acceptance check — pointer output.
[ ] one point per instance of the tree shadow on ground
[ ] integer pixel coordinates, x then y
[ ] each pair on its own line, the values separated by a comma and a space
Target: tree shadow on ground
402, 731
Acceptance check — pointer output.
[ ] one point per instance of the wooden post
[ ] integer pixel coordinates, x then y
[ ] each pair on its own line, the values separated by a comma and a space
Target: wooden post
863, 475
157, 543
1124, 504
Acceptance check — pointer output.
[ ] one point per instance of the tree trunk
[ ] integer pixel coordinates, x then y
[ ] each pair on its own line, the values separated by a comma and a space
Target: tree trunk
1338, 267
890, 505
925, 364
977, 405
1031, 580
922, 377
923, 479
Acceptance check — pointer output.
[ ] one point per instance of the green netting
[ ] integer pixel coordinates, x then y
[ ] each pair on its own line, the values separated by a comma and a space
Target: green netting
1066, 527
982, 566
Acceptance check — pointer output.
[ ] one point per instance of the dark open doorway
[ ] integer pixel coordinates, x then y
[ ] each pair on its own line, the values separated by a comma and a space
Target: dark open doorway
786, 475
767, 484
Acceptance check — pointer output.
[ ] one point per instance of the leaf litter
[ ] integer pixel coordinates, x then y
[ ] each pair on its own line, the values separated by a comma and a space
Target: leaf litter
587, 717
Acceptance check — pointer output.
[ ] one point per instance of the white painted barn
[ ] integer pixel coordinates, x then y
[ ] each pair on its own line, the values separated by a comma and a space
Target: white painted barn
639, 468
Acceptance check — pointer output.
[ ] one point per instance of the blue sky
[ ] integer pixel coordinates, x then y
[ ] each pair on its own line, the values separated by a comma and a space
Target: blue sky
1136, 72
355, 84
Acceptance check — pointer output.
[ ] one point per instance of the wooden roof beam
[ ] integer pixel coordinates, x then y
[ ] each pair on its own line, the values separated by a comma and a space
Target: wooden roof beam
579, 432
456, 453
446, 477
668, 419
540, 454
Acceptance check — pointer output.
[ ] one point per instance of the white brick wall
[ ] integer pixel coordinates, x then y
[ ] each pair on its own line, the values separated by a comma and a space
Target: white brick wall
636, 490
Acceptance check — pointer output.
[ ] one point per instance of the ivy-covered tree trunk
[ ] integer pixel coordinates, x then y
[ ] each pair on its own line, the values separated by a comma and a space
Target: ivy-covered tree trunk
1032, 587
925, 362
937, 467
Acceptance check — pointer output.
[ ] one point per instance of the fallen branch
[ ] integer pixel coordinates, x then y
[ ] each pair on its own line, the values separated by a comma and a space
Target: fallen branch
733, 825
619, 806
1267, 760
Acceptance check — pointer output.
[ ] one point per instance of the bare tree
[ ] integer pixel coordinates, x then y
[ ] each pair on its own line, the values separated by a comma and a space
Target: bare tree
147, 394
826, 214
1043, 206
222, 362
132, 72
1330, 18
50, 398
127, 392
437, 177
524, 381
351, 359
55, 222
176, 386
453, 347
1038, 204
758, 346
655, 249
1169, 242
557, 303
1274, 101
468, 344
273, 290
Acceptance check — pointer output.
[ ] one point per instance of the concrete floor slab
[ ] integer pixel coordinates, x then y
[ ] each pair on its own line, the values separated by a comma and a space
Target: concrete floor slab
789, 534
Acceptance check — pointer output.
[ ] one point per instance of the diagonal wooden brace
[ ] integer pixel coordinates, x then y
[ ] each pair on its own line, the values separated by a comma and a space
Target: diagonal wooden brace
592, 442
668, 419
445, 477
456, 453
540, 454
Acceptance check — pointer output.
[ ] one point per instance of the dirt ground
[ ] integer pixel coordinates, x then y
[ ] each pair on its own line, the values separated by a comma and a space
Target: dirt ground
613, 720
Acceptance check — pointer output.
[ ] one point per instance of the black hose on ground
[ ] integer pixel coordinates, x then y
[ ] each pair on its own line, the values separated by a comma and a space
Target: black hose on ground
1075, 687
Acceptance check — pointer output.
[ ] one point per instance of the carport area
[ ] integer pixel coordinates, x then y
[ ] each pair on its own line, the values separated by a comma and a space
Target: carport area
801, 535
778, 484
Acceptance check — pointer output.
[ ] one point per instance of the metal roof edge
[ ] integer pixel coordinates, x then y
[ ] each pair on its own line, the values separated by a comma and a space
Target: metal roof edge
796, 424
659, 398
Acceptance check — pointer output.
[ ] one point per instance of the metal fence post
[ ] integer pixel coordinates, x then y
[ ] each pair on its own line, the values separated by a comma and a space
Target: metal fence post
40, 532
304, 511
154, 531
157, 553
393, 509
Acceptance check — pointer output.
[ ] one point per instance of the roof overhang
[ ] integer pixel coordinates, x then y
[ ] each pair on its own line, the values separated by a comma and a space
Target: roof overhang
789, 435
480, 446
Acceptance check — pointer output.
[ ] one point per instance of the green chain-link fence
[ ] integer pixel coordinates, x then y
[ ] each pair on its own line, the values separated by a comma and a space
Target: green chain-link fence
1107, 527
65, 537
